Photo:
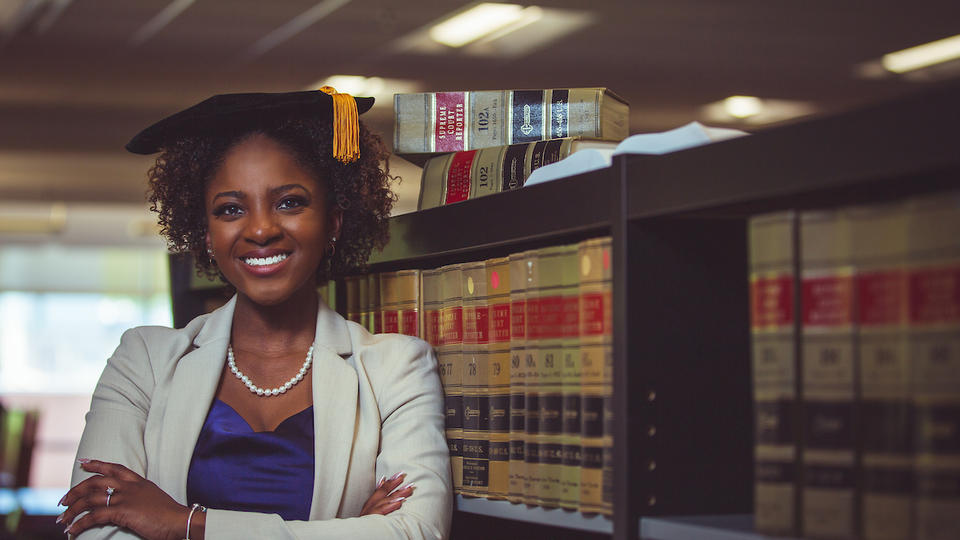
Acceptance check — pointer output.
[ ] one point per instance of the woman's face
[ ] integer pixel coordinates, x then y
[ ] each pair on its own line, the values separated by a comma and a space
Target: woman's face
267, 220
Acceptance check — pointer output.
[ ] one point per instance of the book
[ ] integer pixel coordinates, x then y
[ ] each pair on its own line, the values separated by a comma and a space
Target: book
549, 347
879, 246
498, 373
375, 317
772, 266
829, 380
570, 375
596, 351
431, 296
352, 286
476, 390
934, 344
518, 409
455, 121
450, 359
531, 387
399, 301
470, 174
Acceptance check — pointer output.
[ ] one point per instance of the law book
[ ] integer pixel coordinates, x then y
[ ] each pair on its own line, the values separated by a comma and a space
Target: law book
531, 359
450, 359
454, 121
431, 301
364, 300
327, 293
476, 391
570, 377
934, 343
469, 174
879, 248
550, 342
352, 286
518, 409
498, 373
829, 379
375, 318
399, 301
596, 352
772, 267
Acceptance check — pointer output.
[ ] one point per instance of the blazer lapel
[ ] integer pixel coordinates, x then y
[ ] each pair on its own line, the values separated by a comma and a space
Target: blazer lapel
192, 389
334, 412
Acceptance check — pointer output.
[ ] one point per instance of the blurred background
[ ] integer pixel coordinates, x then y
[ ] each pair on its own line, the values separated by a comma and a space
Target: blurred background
80, 260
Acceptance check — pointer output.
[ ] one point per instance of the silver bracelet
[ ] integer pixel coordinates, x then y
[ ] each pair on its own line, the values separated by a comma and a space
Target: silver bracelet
193, 509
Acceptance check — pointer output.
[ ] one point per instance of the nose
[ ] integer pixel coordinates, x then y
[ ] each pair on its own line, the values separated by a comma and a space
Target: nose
262, 228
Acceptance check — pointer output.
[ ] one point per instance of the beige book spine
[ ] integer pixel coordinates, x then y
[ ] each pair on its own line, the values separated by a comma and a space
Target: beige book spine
518, 410
570, 377
476, 392
450, 358
550, 366
375, 321
771, 239
829, 376
352, 285
498, 372
531, 441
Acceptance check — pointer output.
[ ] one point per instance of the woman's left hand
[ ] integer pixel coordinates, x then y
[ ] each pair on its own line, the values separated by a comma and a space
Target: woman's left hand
135, 504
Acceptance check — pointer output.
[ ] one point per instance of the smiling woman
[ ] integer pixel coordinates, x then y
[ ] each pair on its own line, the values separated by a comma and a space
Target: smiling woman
271, 417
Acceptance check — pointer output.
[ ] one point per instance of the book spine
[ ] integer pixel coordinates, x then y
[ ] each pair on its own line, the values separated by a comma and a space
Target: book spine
934, 345
772, 249
376, 309
365, 302
531, 457
352, 285
570, 376
498, 370
607, 491
879, 235
408, 302
829, 377
450, 358
390, 302
550, 364
518, 410
595, 334
455, 121
476, 406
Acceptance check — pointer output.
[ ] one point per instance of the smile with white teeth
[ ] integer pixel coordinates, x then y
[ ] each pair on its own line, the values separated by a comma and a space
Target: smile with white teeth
264, 261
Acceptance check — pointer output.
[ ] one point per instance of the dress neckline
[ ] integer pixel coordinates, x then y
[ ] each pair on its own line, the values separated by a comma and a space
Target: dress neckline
249, 427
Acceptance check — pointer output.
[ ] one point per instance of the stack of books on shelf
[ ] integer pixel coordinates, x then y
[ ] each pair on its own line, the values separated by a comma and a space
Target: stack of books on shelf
476, 143
385, 302
856, 366
524, 347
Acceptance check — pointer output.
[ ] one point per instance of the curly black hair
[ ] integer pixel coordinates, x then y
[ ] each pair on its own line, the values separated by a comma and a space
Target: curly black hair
361, 189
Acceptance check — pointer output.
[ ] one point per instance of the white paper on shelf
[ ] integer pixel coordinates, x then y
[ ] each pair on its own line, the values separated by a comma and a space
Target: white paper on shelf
681, 138
579, 162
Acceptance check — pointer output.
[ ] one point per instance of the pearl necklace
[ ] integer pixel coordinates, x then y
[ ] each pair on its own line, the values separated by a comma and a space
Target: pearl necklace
282, 389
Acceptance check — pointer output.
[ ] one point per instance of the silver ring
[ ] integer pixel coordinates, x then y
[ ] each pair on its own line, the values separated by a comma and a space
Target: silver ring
110, 491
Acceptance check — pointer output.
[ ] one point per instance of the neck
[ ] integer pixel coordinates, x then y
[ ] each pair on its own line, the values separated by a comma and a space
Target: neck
275, 328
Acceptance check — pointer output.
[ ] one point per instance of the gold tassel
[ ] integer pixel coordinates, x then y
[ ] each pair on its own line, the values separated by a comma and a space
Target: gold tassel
346, 127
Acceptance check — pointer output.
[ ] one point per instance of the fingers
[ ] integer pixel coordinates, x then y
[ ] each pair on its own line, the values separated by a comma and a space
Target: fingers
94, 484
94, 501
93, 518
388, 495
108, 469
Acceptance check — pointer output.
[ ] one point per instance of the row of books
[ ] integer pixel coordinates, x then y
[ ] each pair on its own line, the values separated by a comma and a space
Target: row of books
855, 327
524, 348
476, 143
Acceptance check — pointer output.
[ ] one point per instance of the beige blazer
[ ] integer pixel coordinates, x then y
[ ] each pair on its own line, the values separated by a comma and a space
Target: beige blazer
378, 410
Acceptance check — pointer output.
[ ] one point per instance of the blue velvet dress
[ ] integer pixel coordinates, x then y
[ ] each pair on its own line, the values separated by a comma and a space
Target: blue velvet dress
237, 468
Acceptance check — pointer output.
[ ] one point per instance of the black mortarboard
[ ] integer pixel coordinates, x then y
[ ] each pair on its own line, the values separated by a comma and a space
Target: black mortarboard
224, 111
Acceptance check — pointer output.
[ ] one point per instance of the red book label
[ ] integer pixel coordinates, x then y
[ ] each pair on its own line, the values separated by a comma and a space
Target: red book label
571, 316
391, 322
518, 311
828, 301
551, 317
500, 323
881, 297
451, 329
771, 302
458, 178
410, 322
935, 295
591, 314
476, 325
432, 330
450, 121
533, 318
377, 322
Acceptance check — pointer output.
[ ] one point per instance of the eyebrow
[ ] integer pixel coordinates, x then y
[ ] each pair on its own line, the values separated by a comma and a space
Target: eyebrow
287, 187
234, 194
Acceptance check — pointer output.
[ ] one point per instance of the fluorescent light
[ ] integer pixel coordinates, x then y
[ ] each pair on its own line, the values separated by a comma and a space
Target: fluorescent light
160, 21
922, 56
742, 106
355, 85
479, 21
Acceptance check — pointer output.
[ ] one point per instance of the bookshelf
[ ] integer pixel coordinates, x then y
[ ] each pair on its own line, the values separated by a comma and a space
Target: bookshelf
682, 397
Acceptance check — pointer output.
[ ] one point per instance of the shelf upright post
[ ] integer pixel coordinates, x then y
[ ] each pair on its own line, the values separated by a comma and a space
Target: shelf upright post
625, 491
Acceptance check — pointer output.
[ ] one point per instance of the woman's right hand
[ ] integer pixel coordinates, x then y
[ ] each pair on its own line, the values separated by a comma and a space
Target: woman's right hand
388, 496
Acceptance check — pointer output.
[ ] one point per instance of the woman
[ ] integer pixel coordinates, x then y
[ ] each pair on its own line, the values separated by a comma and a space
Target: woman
273, 412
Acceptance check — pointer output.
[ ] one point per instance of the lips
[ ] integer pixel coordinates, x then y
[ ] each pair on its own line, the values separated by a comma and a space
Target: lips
263, 262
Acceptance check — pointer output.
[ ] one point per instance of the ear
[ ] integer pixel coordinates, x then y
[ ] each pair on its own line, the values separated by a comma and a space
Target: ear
206, 240
334, 221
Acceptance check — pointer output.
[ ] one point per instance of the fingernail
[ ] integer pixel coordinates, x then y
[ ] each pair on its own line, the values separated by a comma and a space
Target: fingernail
380, 482
83, 461
62, 501
59, 518
67, 530
399, 499
408, 486
398, 475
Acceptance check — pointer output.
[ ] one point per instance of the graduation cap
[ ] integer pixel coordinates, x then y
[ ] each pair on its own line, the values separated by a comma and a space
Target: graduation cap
219, 112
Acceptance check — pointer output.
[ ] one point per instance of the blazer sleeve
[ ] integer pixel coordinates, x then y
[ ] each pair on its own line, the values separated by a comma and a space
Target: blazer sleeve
115, 423
412, 440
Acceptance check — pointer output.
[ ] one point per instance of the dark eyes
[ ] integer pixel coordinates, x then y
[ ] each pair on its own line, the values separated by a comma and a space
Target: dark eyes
229, 209
292, 202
